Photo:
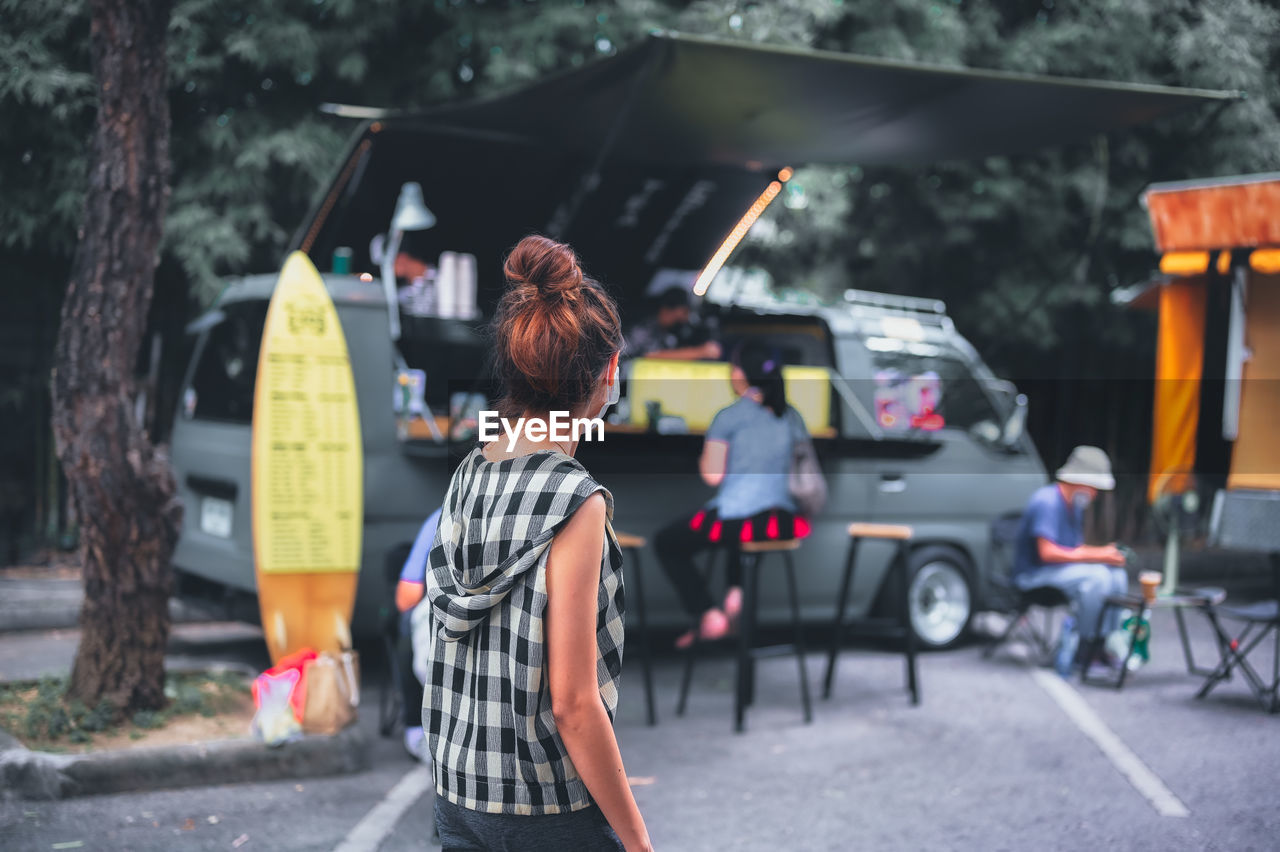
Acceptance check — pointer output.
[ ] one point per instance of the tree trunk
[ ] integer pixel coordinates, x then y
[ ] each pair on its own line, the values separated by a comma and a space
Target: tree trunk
122, 487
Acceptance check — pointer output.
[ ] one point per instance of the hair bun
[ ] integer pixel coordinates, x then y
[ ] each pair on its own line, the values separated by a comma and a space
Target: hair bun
546, 265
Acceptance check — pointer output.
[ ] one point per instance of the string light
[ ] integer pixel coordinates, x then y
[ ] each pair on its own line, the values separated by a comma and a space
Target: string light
1266, 261
739, 231
1184, 262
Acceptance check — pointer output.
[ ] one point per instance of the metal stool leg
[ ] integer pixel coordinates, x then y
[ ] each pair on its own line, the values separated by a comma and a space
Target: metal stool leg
694, 649
645, 662
909, 633
799, 638
390, 699
837, 626
686, 678
750, 582
1275, 674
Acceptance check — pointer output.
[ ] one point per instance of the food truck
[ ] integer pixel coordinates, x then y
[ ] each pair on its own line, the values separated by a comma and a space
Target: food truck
1217, 396
653, 164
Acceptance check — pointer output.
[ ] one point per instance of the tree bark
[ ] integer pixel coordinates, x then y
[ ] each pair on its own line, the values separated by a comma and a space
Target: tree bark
121, 484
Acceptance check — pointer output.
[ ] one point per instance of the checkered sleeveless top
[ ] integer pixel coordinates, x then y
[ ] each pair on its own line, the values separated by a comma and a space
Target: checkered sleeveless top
487, 705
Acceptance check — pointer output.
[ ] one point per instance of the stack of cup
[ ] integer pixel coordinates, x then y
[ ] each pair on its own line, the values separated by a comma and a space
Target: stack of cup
465, 283
447, 285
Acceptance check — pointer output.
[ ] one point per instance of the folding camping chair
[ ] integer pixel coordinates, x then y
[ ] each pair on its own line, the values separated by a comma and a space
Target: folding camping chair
1247, 520
1256, 622
1019, 602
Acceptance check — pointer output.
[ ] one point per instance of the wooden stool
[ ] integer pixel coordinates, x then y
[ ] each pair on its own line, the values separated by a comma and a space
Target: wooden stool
747, 652
634, 545
894, 626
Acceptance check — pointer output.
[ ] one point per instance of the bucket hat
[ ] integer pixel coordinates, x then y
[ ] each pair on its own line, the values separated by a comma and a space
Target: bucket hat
1087, 466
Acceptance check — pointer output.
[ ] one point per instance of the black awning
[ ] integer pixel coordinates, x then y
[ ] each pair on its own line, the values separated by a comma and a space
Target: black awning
645, 161
697, 101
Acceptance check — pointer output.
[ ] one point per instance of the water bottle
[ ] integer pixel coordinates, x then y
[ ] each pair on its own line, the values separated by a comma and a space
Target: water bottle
1068, 641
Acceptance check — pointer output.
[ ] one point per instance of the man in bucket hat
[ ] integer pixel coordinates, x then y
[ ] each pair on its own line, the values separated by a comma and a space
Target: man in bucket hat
1050, 549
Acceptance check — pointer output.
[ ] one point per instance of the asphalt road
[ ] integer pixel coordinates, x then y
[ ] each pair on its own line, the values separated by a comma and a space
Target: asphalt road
991, 760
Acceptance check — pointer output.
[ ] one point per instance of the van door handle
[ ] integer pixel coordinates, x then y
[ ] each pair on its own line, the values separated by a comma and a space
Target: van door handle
892, 483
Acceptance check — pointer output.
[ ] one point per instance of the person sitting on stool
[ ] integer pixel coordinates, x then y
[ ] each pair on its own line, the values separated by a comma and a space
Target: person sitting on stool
1050, 551
409, 592
747, 454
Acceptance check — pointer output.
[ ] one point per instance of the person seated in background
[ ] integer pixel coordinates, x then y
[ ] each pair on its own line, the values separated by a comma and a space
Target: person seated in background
673, 332
409, 592
408, 267
1050, 551
747, 456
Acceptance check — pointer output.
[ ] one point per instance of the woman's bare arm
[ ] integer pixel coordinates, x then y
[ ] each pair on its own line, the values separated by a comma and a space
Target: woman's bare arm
573, 582
714, 462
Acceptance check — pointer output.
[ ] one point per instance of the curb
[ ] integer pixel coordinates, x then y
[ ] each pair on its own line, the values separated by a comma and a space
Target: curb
54, 604
42, 775
66, 616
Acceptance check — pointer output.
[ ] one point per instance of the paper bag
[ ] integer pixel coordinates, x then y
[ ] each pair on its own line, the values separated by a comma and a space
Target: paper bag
333, 692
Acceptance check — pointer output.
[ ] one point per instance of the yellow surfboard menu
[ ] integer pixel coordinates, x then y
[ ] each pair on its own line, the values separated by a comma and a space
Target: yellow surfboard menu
307, 473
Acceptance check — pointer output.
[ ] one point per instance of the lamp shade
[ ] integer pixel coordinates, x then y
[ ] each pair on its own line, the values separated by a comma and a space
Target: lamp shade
411, 211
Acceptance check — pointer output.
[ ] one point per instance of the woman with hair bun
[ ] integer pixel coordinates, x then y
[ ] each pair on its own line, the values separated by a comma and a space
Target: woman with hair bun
525, 594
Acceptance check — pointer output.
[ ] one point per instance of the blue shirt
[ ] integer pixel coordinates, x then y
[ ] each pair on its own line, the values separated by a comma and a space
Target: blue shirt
760, 451
415, 567
1048, 515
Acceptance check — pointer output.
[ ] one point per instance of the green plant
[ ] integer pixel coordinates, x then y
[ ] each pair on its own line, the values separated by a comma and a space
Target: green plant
40, 712
150, 719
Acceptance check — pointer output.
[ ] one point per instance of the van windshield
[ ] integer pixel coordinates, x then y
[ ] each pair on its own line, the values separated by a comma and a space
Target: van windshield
913, 386
222, 383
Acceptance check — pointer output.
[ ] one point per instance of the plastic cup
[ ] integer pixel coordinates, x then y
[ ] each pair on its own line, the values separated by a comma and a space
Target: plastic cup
1150, 581
342, 260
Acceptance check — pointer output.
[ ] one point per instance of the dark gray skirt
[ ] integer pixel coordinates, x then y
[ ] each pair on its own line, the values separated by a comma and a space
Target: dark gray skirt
464, 830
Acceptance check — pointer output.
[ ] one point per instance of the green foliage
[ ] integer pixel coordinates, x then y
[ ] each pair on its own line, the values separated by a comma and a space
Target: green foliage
46, 114
40, 713
1020, 246
148, 719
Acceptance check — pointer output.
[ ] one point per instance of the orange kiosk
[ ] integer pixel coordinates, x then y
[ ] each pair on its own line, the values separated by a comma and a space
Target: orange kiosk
1219, 334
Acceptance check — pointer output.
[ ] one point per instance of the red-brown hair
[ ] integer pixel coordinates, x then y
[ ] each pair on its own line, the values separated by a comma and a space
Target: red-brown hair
554, 331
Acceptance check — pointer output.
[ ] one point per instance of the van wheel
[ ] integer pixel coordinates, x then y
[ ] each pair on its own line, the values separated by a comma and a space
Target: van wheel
940, 597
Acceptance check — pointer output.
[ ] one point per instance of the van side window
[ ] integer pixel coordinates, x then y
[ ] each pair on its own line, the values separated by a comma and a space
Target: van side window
225, 374
879, 366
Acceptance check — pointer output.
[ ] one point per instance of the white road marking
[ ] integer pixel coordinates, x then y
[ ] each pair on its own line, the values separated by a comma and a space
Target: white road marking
1122, 758
370, 831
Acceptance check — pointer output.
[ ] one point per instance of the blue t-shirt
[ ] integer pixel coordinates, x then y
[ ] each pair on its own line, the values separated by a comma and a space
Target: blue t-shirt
415, 567
760, 451
1048, 515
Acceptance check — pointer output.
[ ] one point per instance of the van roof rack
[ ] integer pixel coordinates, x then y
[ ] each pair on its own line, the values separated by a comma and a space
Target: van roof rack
902, 304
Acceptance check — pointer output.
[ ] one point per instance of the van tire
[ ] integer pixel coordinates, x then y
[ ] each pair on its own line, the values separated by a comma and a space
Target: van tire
941, 596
